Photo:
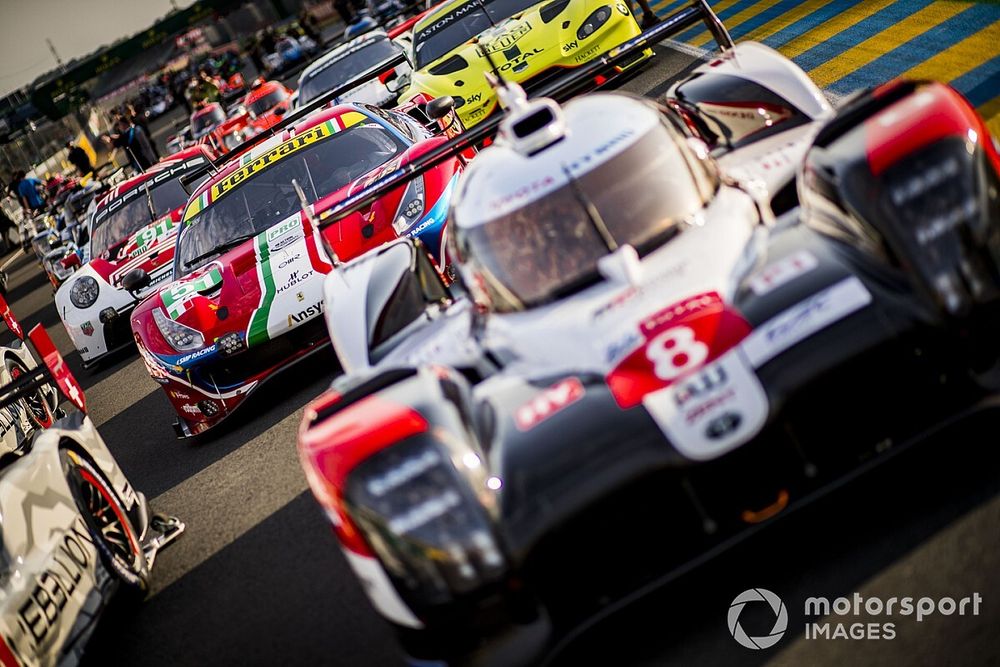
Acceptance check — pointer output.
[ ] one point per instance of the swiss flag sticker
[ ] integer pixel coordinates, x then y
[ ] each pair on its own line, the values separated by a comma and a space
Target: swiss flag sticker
547, 403
8, 317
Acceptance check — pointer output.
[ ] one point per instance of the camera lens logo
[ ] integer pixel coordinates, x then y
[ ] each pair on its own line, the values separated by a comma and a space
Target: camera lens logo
780, 618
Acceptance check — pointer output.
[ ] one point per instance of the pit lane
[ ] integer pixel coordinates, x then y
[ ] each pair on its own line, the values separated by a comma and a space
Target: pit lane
258, 578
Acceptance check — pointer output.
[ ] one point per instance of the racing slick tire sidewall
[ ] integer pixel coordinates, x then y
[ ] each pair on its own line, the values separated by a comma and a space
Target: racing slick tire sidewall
40, 416
130, 571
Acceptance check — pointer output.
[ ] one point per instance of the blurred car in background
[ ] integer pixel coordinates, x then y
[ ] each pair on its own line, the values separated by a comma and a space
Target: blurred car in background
266, 103
350, 60
206, 119
289, 51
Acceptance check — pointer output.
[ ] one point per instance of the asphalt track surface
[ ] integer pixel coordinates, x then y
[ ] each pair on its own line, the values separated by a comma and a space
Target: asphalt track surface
258, 578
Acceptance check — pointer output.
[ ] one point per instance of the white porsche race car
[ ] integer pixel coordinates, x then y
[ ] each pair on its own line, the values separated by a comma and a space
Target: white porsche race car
134, 227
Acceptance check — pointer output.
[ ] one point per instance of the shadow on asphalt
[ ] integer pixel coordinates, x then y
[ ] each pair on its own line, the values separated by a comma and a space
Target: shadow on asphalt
829, 549
262, 580
154, 454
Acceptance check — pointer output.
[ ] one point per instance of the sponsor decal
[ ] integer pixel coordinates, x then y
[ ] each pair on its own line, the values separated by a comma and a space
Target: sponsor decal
177, 297
291, 260
40, 612
293, 145
587, 55
508, 38
569, 46
622, 9
191, 409
783, 271
179, 394
196, 355
712, 411
276, 154
307, 314
804, 319
299, 296
294, 278
446, 20
87, 328
519, 62
547, 403
150, 236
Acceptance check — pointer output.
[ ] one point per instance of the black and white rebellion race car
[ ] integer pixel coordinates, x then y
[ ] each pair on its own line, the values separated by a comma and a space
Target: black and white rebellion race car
648, 323
73, 530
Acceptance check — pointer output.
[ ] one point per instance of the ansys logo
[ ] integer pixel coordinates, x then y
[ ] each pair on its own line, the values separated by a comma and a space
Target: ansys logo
780, 618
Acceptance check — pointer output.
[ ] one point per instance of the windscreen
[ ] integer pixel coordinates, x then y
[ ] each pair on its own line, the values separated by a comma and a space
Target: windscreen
206, 121
338, 72
112, 231
460, 24
550, 247
262, 105
269, 196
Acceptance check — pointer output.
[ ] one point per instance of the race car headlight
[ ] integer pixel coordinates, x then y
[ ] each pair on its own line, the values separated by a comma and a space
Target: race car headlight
411, 206
596, 19
418, 513
84, 292
180, 337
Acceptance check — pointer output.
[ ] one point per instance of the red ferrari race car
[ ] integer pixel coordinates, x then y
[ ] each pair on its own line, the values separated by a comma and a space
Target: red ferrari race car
251, 261
134, 226
266, 103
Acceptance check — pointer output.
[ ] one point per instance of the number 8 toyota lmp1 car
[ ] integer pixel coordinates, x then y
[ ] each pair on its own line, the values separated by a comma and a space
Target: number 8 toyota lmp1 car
250, 261
642, 337
74, 531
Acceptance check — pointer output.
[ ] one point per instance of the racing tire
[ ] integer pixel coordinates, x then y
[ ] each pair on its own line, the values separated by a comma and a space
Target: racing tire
36, 406
115, 538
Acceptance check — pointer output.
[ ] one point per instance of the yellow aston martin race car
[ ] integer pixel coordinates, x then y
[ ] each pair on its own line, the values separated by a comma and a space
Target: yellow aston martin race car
528, 41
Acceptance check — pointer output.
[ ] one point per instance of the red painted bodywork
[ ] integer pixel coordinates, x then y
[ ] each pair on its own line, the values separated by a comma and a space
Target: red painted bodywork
240, 293
330, 448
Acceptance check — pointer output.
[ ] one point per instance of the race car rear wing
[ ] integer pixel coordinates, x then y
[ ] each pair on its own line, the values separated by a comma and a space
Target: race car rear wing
53, 368
563, 88
573, 83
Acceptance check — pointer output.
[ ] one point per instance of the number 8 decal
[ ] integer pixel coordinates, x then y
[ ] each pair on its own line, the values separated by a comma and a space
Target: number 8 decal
675, 352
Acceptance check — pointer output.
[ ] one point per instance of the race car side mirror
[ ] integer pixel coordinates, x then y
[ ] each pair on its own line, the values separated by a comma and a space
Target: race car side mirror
135, 280
440, 107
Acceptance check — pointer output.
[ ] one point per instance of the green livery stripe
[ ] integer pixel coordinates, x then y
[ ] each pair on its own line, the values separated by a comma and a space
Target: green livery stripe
257, 332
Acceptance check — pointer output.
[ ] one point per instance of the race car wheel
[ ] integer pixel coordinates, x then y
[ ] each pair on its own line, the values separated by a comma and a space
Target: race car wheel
36, 406
116, 540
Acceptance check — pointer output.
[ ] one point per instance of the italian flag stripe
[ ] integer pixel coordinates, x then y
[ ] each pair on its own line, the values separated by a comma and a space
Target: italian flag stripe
257, 332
